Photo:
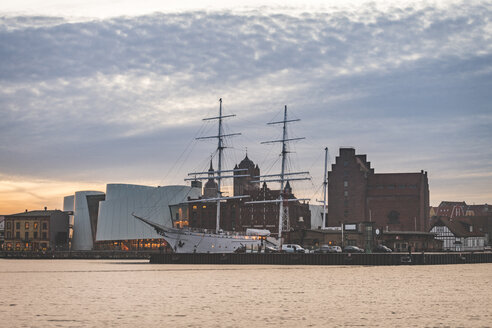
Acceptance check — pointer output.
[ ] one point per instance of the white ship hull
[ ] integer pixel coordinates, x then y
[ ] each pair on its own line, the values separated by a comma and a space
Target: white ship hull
190, 241
186, 241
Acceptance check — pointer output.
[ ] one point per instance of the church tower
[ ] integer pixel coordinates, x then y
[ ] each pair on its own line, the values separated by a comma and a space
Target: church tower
243, 185
211, 187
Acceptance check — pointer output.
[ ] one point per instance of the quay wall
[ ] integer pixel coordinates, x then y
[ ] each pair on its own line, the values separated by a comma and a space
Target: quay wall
75, 255
323, 259
267, 259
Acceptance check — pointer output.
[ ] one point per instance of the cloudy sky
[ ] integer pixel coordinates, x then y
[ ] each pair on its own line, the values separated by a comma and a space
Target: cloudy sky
94, 93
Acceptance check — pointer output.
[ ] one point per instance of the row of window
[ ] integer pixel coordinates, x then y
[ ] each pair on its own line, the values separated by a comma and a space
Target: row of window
26, 225
393, 186
26, 235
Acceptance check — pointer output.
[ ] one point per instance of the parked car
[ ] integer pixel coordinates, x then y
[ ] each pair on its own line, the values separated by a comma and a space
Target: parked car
292, 248
382, 249
352, 249
328, 249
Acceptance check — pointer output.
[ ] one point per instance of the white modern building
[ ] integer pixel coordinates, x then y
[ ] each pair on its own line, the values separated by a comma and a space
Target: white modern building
115, 220
107, 217
81, 221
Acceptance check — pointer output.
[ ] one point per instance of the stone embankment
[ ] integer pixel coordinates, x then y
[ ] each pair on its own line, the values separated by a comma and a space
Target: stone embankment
324, 259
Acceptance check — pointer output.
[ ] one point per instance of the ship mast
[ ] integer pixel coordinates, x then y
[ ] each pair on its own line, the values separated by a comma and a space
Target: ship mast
325, 187
283, 177
220, 148
218, 174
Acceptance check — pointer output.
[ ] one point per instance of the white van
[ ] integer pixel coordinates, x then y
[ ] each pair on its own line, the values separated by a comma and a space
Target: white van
292, 248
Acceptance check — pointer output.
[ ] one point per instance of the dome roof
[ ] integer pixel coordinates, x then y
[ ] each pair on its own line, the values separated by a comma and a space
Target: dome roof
246, 163
211, 184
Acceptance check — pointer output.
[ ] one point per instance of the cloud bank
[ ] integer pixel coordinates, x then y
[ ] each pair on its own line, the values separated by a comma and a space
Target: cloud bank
121, 99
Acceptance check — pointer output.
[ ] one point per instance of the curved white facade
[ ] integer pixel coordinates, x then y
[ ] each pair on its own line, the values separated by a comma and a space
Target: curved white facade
115, 220
82, 232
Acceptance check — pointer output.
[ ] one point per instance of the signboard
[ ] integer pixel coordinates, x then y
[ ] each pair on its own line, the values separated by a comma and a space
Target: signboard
350, 227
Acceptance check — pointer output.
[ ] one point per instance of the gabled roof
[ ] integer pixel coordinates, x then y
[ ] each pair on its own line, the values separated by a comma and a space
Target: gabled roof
451, 203
480, 210
459, 228
414, 233
451, 209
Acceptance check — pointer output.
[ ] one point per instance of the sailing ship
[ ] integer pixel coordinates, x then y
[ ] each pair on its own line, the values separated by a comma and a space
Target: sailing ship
190, 240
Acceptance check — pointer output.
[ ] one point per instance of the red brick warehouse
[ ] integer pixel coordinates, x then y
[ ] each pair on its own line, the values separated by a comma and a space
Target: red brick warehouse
394, 201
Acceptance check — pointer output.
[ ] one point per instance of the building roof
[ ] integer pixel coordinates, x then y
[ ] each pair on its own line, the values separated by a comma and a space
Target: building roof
482, 209
419, 233
246, 163
452, 203
334, 232
35, 213
395, 178
459, 227
451, 209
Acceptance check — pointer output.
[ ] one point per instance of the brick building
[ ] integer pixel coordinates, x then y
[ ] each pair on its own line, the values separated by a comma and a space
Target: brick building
238, 216
393, 201
36, 230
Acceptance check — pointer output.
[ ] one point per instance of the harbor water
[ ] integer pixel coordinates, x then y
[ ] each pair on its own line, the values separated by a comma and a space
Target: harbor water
116, 293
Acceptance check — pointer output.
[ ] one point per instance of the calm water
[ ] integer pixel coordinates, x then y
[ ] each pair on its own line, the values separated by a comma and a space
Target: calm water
66, 293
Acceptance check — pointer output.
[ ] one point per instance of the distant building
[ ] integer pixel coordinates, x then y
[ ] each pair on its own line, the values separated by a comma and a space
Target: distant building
104, 221
393, 201
458, 234
84, 206
2, 230
37, 230
366, 236
235, 214
452, 209
361, 234
479, 217
418, 241
116, 227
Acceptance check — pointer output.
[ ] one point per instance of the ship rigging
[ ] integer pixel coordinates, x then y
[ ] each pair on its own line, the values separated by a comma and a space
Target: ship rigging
282, 178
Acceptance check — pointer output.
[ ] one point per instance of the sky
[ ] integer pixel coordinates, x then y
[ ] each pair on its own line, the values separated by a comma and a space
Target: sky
96, 92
